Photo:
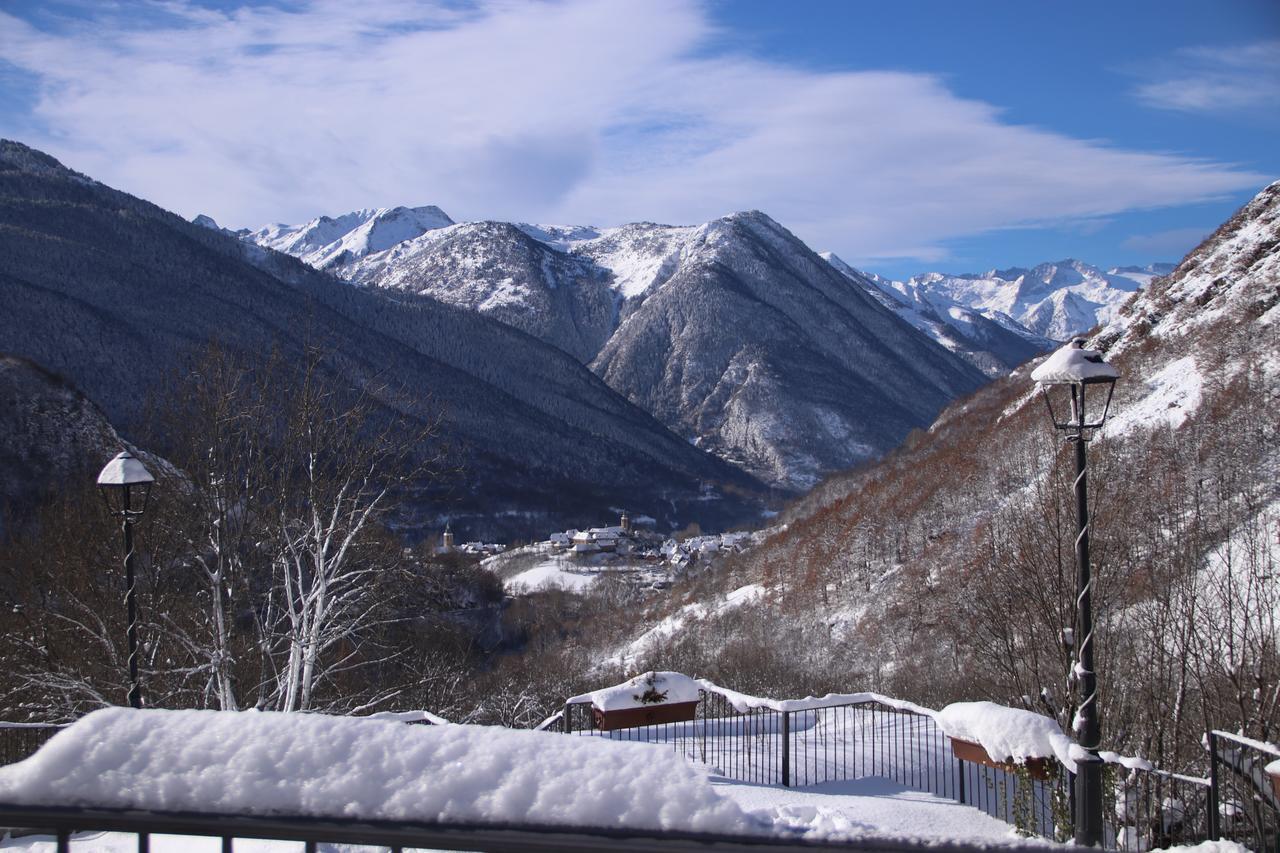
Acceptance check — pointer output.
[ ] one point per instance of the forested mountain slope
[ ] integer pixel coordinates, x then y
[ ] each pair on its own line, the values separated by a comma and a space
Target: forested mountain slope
115, 293
759, 350
50, 434
946, 571
734, 334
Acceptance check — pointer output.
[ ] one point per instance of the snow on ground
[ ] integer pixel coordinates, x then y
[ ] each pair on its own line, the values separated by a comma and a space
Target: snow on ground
553, 572
1172, 395
670, 625
866, 807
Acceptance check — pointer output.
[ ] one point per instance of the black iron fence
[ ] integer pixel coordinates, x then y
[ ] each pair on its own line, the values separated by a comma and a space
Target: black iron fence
834, 741
311, 832
1245, 799
20, 740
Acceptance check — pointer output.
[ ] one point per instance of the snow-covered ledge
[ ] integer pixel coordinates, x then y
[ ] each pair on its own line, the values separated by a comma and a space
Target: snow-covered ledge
643, 691
311, 765
1009, 735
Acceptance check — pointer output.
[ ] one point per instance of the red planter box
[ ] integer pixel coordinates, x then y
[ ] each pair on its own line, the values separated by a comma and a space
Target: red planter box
648, 715
1275, 783
966, 750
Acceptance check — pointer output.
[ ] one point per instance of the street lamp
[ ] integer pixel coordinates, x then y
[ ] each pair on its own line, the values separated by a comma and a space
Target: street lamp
1067, 375
126, 486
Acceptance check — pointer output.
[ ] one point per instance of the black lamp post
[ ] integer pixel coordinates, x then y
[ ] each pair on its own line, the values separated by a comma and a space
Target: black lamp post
1069, 374
126, 486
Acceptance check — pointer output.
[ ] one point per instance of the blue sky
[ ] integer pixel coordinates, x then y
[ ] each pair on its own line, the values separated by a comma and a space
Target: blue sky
903, 136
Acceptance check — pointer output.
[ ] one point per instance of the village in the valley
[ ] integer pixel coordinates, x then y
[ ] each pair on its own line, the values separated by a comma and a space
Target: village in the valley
572, 559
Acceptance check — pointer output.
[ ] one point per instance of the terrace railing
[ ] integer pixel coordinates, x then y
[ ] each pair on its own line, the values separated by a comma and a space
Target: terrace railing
1245, 799
860, 736
20, 740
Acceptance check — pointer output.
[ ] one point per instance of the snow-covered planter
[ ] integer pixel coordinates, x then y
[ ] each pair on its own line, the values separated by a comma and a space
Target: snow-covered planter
1273, 770
646, 700
1005, 738
966, 750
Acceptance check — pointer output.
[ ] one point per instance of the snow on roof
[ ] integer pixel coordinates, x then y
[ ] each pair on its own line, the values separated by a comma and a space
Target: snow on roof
1008, 734
1073, 363
670, 686
124, 470
313, 765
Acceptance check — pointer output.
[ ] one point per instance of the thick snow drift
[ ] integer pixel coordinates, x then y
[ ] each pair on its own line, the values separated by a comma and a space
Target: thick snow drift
1008, 734
651, 688
1073, 364
305, 764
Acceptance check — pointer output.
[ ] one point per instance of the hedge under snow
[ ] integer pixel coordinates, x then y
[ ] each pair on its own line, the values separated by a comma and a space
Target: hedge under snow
313, 765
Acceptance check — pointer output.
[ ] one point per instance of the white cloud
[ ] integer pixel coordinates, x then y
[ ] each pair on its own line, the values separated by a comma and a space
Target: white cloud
1215, 80
598, 112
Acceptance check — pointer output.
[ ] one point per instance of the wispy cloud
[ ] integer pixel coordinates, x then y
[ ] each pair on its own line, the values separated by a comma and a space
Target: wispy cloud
1246, 77
597, 112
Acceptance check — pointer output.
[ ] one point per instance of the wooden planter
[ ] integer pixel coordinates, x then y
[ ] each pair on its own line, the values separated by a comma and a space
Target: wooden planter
966, 750
646, 715
1275, 783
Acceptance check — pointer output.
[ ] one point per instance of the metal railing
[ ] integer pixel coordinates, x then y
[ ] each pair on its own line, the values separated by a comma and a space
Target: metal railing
838, 742
400, 836
1145, 808
21, 740
1245, 800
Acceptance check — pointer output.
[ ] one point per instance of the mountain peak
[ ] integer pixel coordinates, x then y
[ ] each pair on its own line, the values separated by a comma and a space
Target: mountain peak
16, 157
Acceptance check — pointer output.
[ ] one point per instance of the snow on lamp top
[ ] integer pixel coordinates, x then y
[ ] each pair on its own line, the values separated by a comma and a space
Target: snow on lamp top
124, 470
1073, 364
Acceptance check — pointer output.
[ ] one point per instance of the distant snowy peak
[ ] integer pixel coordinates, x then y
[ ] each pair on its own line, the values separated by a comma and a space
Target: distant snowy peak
1054, 300
333, 243
562, 238
639, 256
991, 341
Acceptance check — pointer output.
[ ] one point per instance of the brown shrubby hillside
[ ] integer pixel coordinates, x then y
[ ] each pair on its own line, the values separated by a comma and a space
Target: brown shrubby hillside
946, 571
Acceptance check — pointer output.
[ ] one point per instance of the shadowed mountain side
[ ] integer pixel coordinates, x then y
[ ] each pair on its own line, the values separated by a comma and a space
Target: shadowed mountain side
113, 292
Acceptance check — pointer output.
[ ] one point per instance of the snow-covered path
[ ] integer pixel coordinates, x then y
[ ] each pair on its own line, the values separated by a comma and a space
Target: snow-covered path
868, 807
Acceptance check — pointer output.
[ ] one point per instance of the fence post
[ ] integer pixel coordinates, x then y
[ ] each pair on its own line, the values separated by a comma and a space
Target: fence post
786, 749
1215, 831
960, 762
566, 720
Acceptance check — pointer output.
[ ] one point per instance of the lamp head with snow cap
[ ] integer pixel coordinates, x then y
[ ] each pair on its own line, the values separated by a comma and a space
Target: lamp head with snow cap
126, 485
1066, 375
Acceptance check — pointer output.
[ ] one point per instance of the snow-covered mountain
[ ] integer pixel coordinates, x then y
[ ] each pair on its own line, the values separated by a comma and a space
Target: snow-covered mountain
991, 341
748, 343
1053, 300
116, 294
734, 334
335, 243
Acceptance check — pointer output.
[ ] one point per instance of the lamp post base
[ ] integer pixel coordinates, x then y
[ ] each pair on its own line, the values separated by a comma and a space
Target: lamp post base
1088, 791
